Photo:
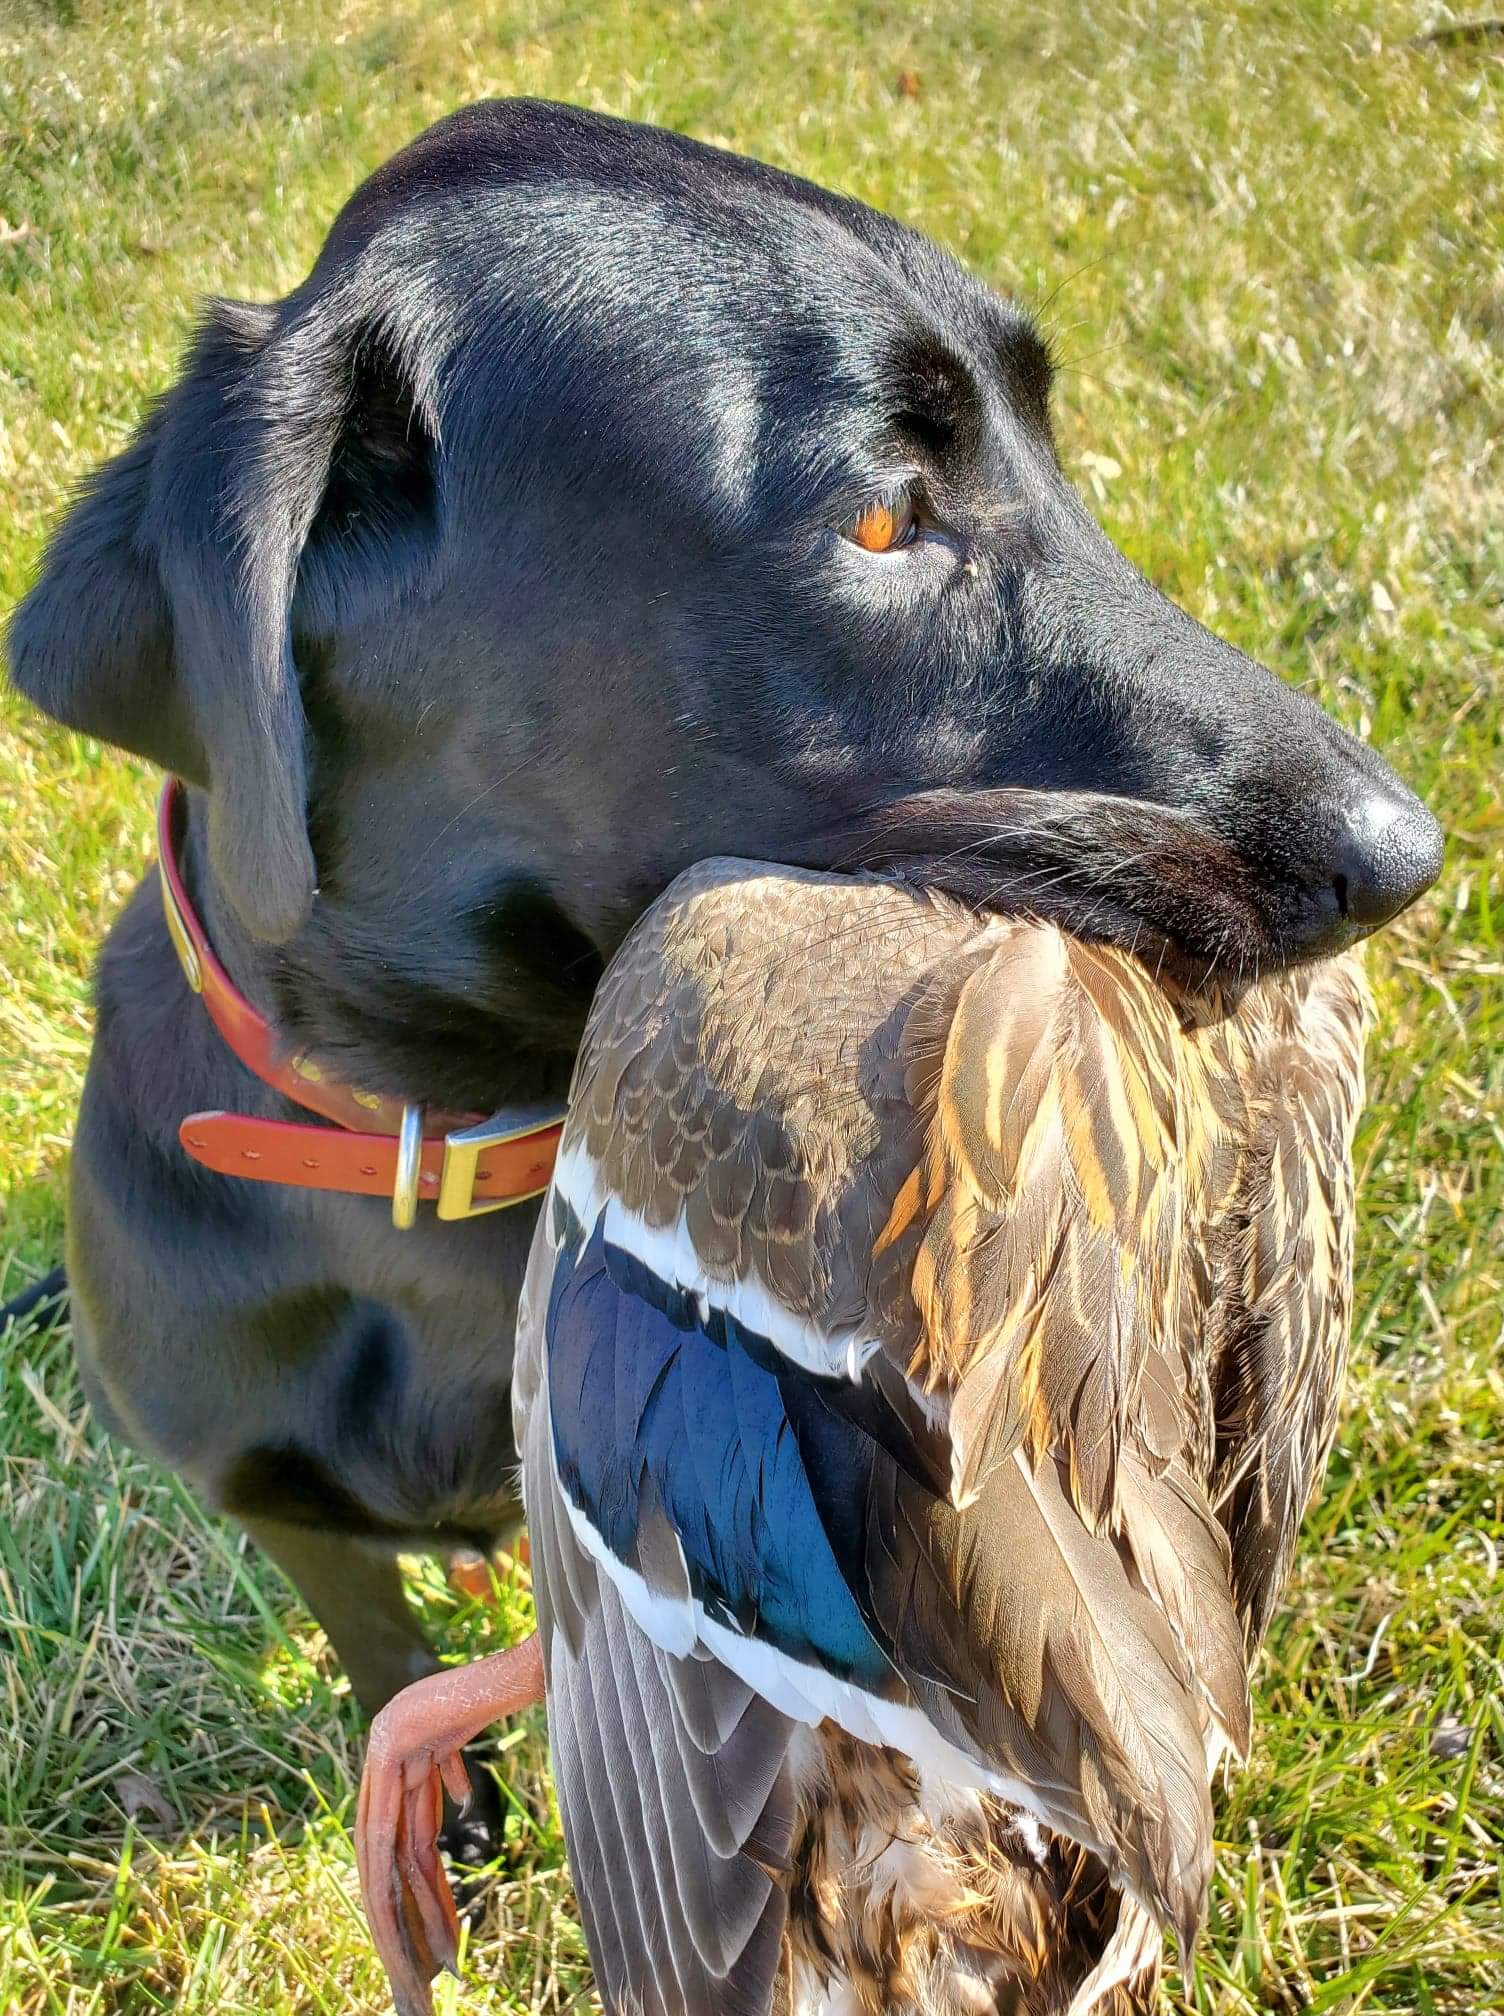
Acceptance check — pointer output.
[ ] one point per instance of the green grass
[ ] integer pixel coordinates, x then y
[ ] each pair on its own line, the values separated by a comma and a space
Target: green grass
1275, 233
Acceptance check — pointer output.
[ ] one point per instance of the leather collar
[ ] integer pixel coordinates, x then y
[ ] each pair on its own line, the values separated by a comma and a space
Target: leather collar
376, 1147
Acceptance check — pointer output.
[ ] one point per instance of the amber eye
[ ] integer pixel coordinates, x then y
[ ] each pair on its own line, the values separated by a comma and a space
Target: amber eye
882, 525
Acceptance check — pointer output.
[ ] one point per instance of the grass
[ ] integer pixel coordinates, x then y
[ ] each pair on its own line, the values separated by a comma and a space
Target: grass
1267, 235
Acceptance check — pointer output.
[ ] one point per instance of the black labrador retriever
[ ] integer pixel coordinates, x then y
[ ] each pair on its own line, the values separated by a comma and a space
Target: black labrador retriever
600, 502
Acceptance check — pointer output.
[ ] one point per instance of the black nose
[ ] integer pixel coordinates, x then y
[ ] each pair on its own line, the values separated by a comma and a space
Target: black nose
1388, 852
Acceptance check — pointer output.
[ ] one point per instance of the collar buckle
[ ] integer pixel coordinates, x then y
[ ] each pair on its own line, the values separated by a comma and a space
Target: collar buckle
464, 1149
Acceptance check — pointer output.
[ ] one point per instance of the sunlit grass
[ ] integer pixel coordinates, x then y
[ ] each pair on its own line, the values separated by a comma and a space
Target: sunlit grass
1267, 237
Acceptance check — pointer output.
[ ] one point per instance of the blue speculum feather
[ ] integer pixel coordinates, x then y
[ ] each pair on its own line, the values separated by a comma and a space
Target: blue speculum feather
656, 1405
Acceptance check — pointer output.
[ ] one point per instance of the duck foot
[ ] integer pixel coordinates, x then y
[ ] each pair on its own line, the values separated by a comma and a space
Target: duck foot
413, 1758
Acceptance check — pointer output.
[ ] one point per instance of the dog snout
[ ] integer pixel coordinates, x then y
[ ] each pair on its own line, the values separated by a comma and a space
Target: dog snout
1360, 858
1388, 852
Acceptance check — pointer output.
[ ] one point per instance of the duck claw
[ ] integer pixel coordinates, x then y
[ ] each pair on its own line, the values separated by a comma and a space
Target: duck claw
413, 1755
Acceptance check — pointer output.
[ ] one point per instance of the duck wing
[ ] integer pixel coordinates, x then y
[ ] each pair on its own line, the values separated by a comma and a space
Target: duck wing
671, 1773
1075, 1145
1280, 1264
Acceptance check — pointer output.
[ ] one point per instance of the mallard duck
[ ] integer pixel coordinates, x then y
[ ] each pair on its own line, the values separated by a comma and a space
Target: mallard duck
932, 1338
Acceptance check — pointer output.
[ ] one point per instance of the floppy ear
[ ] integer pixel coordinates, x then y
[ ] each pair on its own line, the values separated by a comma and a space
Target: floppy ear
290, 464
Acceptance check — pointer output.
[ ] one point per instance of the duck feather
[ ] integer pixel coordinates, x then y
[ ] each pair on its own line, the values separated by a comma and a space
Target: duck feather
932, 1341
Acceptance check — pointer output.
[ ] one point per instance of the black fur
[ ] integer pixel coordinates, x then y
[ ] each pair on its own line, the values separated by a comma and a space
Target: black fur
481, 585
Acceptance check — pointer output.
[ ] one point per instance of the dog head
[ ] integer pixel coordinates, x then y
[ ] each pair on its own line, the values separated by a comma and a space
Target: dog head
601, 502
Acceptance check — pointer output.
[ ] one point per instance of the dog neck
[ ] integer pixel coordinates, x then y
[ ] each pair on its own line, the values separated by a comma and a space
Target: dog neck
333, 995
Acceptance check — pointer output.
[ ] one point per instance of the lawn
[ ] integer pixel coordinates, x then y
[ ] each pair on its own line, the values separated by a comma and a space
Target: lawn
1267, 238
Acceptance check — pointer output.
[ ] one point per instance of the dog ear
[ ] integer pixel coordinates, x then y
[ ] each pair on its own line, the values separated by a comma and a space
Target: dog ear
288, 475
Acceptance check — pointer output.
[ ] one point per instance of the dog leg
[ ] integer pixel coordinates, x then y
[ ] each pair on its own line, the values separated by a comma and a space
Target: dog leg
355, 1592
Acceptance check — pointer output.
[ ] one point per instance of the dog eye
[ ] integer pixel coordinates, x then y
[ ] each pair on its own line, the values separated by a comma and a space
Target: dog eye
882, 525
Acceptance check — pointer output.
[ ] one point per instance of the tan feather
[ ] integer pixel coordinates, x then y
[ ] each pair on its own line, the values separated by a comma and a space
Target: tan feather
1057, 1177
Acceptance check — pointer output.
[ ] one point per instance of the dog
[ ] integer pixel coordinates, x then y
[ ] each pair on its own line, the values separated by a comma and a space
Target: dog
600, 502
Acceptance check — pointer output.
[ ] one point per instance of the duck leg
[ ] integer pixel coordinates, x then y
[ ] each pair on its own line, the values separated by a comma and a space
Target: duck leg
471, 1573
414, 1753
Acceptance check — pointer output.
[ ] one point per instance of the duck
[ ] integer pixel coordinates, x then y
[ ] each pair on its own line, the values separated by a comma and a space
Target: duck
932, 1339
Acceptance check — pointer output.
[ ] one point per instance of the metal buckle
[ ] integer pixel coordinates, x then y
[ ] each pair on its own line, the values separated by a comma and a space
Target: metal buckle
464, 1148
409, 1166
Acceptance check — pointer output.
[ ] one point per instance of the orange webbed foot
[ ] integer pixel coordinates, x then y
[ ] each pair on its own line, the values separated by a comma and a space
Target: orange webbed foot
476, 1575
413, 1754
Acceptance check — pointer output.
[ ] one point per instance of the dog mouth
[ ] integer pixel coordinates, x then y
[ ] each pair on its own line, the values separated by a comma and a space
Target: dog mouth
1147, 877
